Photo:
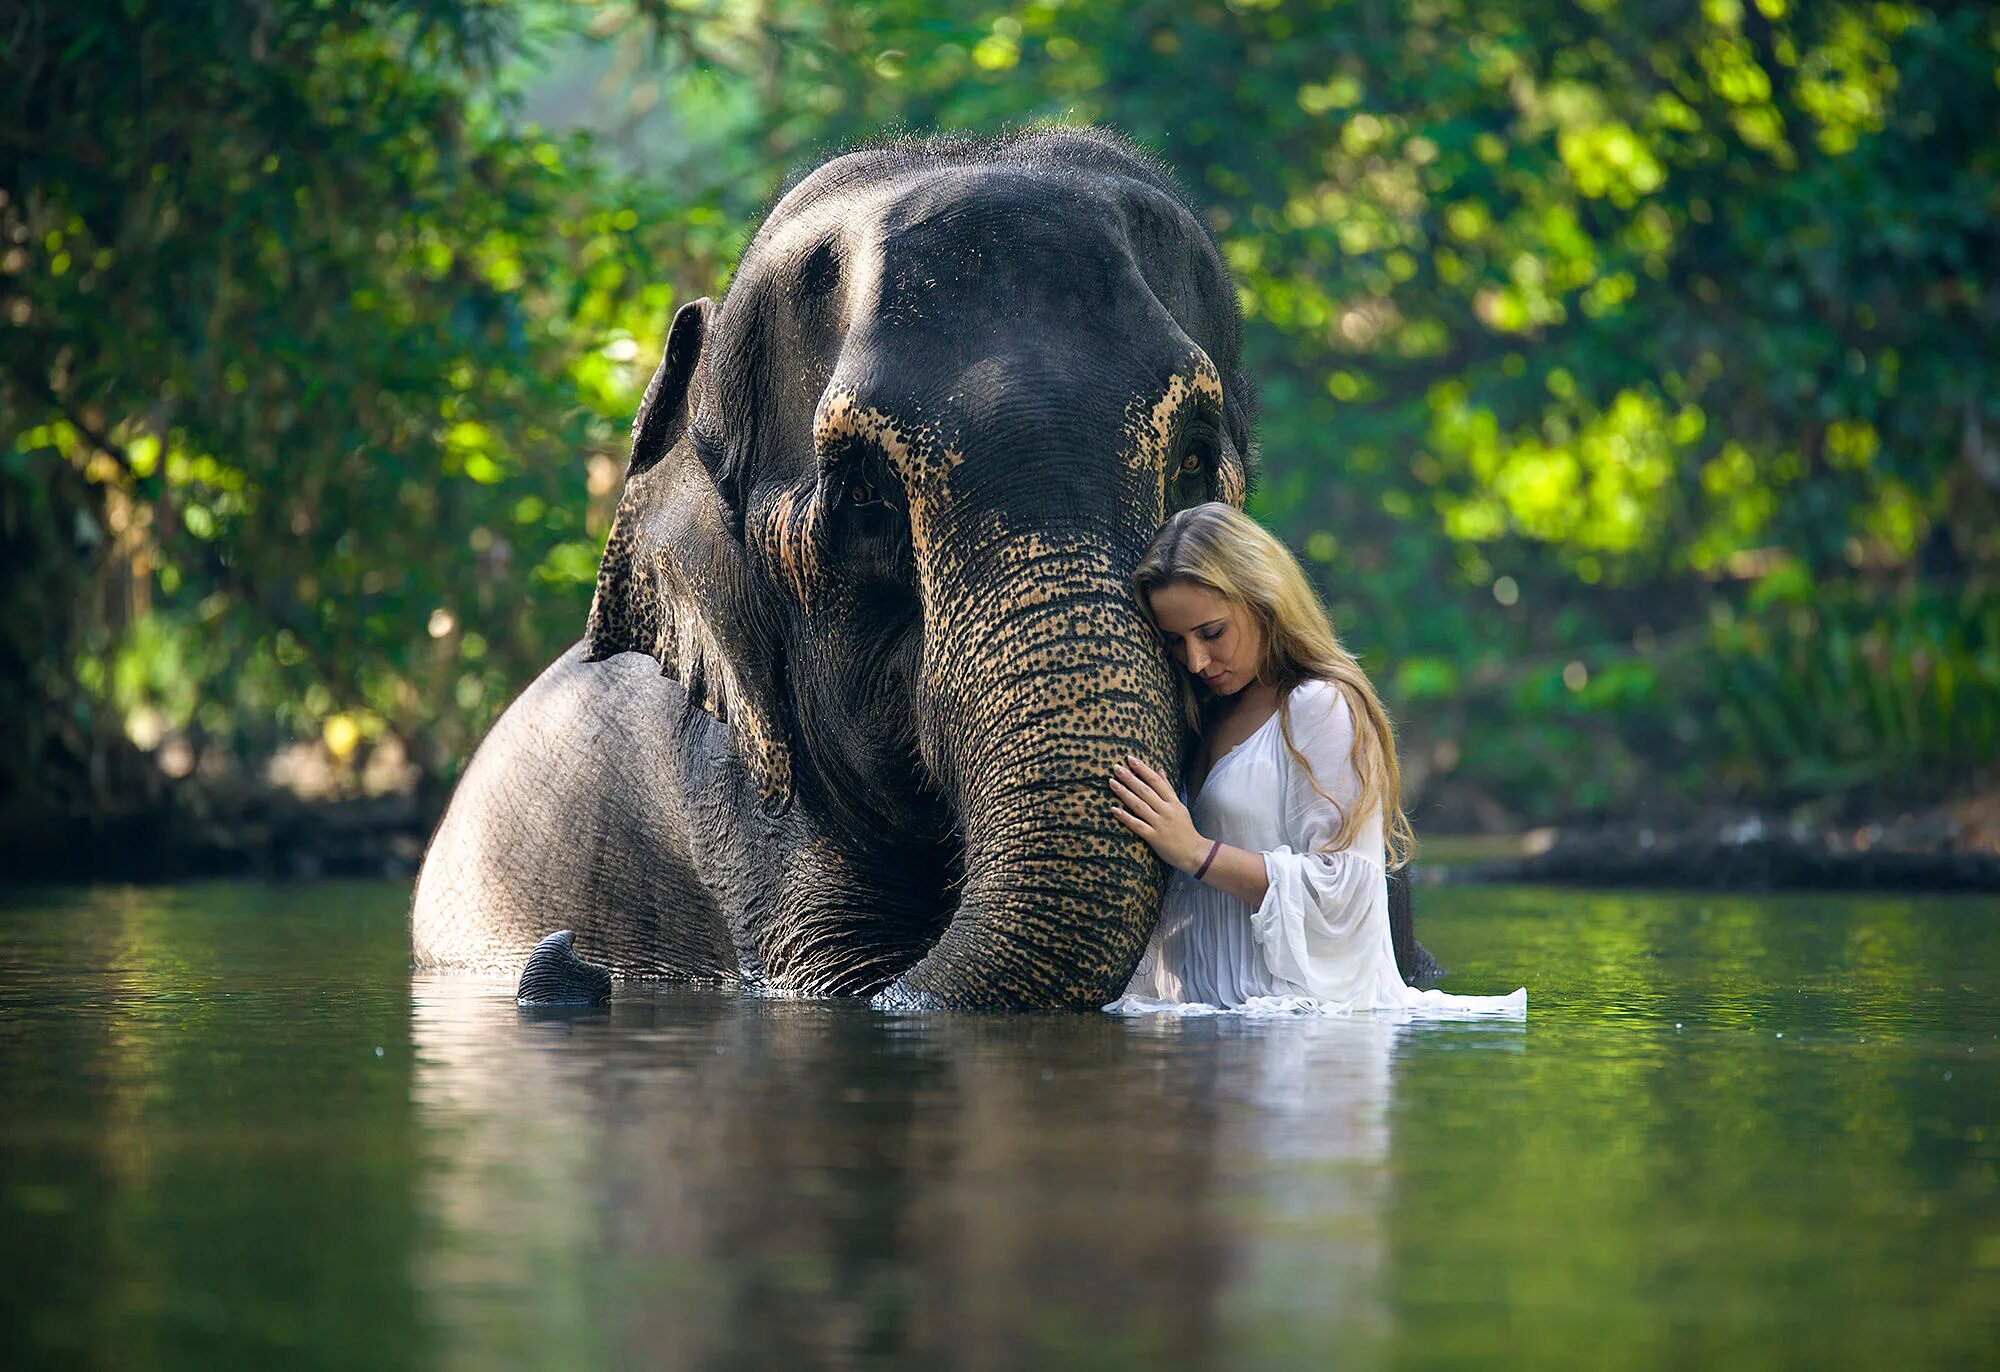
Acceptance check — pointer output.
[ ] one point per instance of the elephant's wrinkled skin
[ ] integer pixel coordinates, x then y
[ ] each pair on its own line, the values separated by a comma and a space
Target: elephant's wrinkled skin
881, 512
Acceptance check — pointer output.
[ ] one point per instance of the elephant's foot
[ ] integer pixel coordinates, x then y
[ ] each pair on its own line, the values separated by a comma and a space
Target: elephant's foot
555, 975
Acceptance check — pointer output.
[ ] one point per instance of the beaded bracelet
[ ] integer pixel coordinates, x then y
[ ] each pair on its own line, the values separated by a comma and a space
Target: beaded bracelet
1214, 848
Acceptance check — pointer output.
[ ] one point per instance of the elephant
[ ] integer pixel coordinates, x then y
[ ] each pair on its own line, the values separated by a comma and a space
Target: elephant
863, 648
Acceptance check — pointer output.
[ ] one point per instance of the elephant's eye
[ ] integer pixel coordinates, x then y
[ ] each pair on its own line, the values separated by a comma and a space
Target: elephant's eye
861, 495
1200, 456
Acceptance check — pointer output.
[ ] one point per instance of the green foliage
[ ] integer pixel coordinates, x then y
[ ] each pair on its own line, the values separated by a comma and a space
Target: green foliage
1625, 370
1838, 691
344, 358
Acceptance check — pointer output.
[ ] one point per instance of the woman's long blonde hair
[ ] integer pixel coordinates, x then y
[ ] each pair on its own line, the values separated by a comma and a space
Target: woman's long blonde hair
1219, 547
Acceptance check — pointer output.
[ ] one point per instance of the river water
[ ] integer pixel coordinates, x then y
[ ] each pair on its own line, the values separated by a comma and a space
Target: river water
234, 1131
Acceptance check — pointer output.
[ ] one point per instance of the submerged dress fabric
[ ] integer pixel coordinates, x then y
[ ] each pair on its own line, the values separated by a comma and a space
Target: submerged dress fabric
1319, 943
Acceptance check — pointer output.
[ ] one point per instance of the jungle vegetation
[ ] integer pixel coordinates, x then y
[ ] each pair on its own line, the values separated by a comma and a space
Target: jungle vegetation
1627, 368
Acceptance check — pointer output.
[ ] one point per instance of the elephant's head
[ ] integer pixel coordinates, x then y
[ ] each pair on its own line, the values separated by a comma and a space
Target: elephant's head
883, 506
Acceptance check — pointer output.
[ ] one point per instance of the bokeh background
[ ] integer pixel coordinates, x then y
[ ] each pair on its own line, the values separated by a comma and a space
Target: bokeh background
1627, 373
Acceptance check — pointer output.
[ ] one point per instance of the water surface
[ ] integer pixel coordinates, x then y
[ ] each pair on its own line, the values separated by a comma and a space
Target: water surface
1742, 1132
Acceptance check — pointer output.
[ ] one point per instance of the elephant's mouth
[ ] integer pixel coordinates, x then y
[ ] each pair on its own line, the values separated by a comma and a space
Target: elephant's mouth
888, 886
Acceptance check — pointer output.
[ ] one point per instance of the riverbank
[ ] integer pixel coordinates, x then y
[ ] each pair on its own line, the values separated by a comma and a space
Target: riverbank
1952, 847
273, 836
281, 836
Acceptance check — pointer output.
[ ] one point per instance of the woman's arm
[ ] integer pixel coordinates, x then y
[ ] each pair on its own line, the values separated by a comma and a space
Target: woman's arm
1156, 814
1238, 871
1323, 727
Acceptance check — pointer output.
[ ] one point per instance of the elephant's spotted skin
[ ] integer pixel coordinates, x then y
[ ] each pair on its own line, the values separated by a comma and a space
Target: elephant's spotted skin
878, 529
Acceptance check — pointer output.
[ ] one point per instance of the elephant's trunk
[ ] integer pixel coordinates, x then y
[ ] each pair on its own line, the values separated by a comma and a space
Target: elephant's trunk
1041, 675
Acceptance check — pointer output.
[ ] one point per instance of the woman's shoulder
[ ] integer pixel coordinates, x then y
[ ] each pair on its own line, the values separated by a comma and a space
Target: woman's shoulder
1319, 697
1320, 712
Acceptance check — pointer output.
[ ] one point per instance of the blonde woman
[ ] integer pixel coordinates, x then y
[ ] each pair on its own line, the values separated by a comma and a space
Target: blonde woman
1292, 812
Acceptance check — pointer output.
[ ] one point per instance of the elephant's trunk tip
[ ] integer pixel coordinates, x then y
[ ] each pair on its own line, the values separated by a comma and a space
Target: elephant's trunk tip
555, 975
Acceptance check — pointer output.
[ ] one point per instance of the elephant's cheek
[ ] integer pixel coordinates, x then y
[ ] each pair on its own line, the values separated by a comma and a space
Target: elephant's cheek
1232, 484
792, 539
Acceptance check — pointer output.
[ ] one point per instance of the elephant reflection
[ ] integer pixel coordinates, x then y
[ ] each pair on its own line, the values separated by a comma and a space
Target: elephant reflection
701, 1180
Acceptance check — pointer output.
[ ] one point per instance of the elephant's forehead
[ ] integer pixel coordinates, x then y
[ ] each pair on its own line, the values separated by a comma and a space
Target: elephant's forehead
960, 248
952, 213
987, 287
943, 206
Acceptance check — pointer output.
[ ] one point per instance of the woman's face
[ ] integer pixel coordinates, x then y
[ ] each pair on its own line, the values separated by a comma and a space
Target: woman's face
1214, 639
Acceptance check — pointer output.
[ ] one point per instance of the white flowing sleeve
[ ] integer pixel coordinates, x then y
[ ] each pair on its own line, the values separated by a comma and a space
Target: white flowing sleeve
1323, 925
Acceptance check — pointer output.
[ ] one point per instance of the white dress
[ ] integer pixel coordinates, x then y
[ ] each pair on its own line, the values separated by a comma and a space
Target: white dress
1319, 943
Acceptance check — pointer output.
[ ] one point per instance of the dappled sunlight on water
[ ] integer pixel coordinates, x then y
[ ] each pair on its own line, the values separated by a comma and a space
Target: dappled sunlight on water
1729, 1130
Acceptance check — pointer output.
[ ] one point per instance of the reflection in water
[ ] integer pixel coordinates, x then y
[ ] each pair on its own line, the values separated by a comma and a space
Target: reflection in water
1308, 1154
995, 1189
205, 1137
1734, 1131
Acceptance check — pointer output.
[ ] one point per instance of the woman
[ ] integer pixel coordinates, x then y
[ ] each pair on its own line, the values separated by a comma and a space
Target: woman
1279, 900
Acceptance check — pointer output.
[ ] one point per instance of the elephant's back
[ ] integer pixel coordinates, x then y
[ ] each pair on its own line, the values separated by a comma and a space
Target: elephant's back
572, 815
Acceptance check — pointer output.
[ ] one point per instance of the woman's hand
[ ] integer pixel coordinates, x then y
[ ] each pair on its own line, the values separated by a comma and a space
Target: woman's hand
1153, 812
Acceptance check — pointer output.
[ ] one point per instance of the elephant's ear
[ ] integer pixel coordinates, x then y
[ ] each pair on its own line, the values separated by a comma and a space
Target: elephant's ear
675, 581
